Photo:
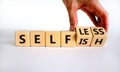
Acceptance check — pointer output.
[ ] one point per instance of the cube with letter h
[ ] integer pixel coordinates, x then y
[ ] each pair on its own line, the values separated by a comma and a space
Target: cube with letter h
83, 36
99, 36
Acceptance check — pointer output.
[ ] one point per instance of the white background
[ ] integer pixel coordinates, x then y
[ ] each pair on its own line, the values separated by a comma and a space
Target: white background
52, 15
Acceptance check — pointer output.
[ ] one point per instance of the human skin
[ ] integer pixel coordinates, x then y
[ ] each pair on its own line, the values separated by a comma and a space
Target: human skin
92, 8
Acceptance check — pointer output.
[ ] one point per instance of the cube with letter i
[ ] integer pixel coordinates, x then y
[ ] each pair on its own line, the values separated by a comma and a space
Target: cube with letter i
83, 36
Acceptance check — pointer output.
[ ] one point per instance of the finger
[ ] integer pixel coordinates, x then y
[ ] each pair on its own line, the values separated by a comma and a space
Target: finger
102, 16
91, 16
72, 12
67, 3
73, 19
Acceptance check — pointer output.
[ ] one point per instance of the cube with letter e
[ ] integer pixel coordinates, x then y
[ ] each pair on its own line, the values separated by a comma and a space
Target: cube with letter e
83, 36
37, 38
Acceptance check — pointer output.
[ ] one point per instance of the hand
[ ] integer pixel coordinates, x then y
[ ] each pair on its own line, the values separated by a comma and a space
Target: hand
92, 8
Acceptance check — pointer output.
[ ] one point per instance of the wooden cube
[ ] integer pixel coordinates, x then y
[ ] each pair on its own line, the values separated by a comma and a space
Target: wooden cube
22, 38
99, 36
52, 39
83, 36
68, 39
37, 38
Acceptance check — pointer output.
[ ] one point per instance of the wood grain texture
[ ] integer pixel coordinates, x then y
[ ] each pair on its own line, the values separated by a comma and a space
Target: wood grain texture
22, 38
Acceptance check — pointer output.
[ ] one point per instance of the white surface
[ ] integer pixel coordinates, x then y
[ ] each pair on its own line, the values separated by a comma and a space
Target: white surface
58, 59
35, 15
